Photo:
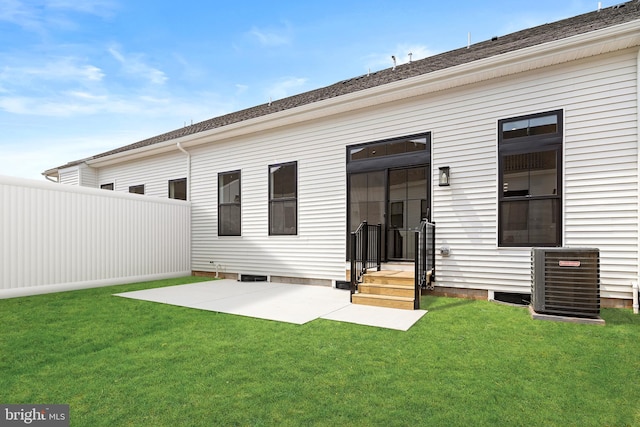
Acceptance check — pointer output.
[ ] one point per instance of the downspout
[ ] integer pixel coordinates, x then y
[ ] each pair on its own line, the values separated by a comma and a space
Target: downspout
634, 285
189, 172
48, 178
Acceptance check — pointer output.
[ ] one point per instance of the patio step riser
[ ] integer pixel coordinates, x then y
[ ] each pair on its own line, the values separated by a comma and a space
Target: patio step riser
393, 290
389, 277
382, 301
388, 280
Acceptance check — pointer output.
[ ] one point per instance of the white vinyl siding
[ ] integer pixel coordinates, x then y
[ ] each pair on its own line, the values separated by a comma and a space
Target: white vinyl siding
88, 177
70, 176
600, 178
600, 206
152, 172
82, 175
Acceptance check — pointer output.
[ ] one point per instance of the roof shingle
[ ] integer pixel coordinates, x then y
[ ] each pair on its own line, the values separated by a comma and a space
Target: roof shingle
576, 25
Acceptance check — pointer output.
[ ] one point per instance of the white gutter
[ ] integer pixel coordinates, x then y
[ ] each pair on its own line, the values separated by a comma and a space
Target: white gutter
593, 43
188, 169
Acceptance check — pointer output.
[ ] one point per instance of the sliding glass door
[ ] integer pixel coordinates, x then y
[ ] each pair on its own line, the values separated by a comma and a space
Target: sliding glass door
407, 207
388, 184
395, 198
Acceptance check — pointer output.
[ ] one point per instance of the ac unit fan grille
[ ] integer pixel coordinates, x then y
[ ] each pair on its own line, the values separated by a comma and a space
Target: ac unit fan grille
566, 282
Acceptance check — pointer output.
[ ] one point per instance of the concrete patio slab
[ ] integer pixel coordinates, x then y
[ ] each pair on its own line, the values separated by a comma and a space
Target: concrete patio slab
382, 317
281, 302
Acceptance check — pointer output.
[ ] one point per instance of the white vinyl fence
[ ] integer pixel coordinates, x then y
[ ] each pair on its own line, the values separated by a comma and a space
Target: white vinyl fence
56, 237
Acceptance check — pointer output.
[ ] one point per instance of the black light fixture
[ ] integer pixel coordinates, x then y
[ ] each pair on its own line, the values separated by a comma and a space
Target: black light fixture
443, 181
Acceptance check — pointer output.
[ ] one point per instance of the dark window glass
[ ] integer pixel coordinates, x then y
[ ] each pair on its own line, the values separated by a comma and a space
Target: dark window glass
407, 190
389, 148
379, 150
229, 205
358, 153
546, 124
416, 144
399, 147
178, 189
108, 186
530, 181
136, 189
530, 174
530, 222
283, 199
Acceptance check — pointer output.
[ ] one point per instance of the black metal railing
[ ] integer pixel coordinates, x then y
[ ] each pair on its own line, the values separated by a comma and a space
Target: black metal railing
366, 252
425, 263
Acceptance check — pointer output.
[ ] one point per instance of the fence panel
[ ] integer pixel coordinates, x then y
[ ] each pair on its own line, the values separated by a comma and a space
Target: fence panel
57, 237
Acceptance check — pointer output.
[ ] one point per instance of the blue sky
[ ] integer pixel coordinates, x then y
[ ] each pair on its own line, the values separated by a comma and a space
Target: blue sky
79, 77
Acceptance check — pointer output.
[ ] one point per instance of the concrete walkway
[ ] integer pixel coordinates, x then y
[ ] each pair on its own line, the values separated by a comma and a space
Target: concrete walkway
282, 302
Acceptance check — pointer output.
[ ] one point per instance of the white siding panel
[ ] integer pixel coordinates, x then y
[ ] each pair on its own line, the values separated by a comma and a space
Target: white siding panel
57, 237
69, 176
599, 99
463, 123
600, 176
152, 172
589, 160
88, 177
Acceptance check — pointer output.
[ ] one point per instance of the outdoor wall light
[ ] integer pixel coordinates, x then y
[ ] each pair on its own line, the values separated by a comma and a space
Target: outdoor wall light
444, 176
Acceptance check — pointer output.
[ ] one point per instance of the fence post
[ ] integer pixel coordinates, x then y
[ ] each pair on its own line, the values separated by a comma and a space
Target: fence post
379, 247
416, 274
365, 246
433, 252
352, 286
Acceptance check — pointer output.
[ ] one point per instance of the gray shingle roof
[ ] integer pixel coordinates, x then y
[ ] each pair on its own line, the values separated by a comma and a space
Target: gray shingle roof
607, 17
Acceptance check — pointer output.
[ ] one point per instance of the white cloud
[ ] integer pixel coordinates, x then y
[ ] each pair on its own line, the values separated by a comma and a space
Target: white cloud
87, 96
21, 14
272, 37
40, 16
70, 105
286, 87
103, 8
135, 66
51, 69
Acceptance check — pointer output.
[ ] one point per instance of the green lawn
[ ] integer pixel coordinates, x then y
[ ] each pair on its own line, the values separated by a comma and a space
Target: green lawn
123, 362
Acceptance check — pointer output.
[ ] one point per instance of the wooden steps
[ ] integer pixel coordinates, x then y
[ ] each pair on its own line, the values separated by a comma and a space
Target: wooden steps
393, 289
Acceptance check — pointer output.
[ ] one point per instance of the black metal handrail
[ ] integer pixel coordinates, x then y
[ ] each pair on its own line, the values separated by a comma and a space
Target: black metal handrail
366, 252
425, 263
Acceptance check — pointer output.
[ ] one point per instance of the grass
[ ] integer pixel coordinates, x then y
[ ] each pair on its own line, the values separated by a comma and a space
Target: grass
123, 362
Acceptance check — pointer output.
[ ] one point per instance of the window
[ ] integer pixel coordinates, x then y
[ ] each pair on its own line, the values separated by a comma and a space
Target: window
108, 186
389, 148
178, 189
229, 212
136, 189
530, 188
283, 199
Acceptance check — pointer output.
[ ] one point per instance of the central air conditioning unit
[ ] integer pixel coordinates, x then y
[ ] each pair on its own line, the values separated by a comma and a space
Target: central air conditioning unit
566, 281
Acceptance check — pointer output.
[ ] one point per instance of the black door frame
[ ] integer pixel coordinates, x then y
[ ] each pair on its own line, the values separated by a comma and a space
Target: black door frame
386, 163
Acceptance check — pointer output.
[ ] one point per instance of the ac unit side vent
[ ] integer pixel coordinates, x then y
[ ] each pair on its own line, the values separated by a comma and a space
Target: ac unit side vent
566, 281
